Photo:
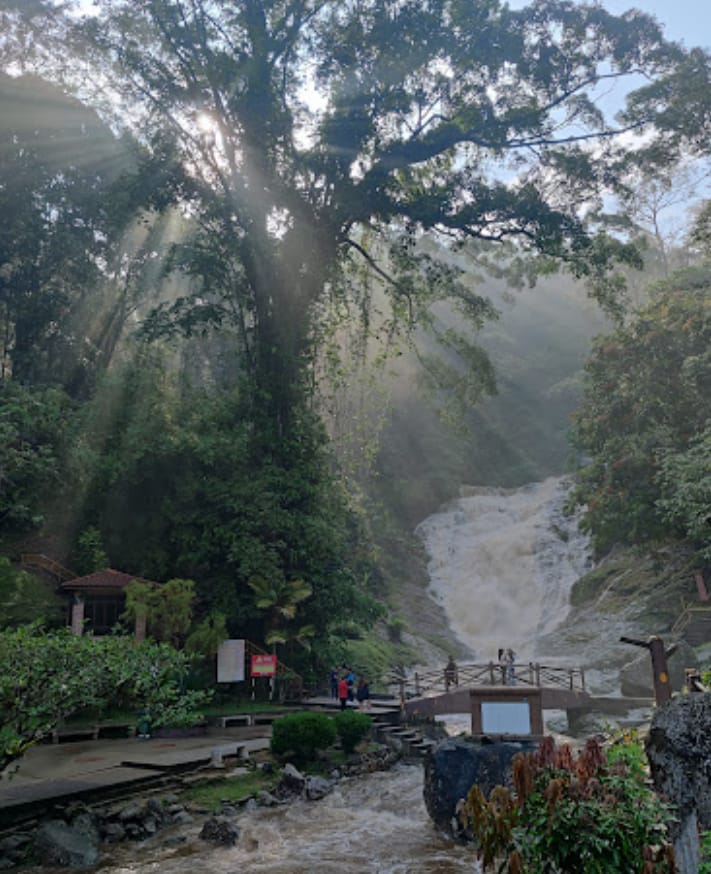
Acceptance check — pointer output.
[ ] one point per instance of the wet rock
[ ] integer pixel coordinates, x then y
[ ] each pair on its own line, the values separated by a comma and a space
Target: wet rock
134, 831
182, 817
219, 830
292, 781
6, 863
150, 826
316, 788
228, 810
455, 765
266, 799
172, 809
174, 841
56, 843
113, 832
131, 812
155, 810
252, 804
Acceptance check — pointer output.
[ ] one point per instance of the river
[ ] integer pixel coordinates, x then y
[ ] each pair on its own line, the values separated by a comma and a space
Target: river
372, 825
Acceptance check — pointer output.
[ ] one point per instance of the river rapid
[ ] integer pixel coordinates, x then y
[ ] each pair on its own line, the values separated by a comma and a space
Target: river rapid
372, 825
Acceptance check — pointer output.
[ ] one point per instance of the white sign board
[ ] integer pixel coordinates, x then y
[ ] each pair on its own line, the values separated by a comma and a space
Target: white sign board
230, 661
505, 717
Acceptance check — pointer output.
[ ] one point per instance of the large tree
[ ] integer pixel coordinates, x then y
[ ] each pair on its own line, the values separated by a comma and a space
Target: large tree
307, 134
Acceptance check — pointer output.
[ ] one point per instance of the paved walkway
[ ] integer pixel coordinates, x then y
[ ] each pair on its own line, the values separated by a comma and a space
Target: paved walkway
75, 770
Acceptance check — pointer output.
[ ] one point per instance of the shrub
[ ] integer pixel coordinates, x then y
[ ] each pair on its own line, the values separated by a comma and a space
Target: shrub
591, 813
301, 734
351, 727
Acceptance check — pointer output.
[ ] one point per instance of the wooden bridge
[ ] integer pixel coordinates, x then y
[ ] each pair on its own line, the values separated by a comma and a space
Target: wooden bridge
426, 695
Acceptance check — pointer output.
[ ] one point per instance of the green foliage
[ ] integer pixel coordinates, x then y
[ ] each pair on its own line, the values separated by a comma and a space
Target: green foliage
207, 635
24, 598
569, 814
48, 676
644, 419
167, 608
302, 735
351, 728
89, 555
705, 863
33, 425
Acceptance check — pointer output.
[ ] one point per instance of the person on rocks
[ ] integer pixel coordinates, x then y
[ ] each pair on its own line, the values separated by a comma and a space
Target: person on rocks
363, 694
451, 674
343, 692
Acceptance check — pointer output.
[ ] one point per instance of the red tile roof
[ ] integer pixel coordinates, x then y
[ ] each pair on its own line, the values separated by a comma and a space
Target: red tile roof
106, 579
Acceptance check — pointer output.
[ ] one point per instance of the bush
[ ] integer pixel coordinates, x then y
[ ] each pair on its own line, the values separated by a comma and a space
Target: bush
351, 727
591, 813
301, 734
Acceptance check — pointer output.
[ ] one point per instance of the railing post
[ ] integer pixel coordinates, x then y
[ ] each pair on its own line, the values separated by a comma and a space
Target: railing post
582, 679
402, 694
538, 674
572, 683
417, 684
530, 673
491, 673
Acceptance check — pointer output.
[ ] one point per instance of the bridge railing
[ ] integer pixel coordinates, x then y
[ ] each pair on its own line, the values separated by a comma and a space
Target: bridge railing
428, 683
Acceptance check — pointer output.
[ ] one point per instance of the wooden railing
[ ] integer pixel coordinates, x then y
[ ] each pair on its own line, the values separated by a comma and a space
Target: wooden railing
419, 685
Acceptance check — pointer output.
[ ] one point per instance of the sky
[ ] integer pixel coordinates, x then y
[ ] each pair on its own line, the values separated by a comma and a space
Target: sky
688, 21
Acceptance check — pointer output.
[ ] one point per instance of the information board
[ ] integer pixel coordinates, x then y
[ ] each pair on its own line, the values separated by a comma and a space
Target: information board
230, 661
506, 717
264, 665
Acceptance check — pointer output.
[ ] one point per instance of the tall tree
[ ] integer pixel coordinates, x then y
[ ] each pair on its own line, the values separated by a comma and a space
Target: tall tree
314, 133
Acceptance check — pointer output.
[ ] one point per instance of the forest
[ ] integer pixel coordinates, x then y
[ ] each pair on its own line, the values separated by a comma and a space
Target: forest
236, 235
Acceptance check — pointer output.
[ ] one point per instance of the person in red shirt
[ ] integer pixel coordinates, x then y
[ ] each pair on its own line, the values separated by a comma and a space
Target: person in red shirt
343, 692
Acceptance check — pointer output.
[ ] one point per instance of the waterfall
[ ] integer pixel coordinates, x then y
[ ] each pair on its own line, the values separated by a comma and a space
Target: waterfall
502, 563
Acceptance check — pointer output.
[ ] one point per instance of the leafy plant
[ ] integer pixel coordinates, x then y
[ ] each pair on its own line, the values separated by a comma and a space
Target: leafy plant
569, 814
351, 728
302, 734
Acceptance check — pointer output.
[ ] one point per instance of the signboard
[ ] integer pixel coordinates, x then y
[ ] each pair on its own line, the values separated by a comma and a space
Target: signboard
264, 665
230, 661
506, 717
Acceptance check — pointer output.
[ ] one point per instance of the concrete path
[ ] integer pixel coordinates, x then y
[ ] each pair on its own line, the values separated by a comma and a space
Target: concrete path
54, 772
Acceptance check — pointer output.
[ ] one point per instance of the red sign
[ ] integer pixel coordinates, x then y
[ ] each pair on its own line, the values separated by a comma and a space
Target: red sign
264, 665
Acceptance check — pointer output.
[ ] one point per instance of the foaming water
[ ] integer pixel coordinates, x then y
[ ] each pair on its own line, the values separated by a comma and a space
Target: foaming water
374, 824
502, 562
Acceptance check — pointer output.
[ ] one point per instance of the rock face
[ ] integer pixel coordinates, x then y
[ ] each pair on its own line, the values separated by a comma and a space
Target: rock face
455, 765
219, 830
679, 752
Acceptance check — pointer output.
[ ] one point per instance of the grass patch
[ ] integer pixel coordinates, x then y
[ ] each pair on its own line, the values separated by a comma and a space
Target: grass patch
233, 790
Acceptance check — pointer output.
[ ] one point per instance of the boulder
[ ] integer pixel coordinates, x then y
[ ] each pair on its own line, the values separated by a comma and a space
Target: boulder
219, 830
316, 788
455, 765
679, 751
292, 782
56, 843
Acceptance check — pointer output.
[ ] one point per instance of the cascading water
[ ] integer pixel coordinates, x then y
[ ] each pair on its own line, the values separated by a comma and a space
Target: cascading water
367, 825
502, 563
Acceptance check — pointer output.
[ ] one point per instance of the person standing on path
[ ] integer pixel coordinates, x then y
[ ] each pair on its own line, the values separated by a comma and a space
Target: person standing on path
333, 682
343, 692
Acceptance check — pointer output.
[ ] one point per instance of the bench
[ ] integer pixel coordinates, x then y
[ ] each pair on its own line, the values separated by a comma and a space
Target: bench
234, 719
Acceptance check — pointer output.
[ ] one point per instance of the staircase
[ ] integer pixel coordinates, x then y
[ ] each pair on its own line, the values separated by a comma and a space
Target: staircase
414, 743
42, 562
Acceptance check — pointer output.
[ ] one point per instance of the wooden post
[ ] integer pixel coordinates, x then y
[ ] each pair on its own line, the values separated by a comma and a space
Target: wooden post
417, 684
491, 673
530, 673
660, 671
538, 674
582, 678
701, 587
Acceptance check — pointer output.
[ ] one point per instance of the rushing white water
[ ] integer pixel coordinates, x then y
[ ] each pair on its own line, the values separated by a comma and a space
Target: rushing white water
373, 825
502, 562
